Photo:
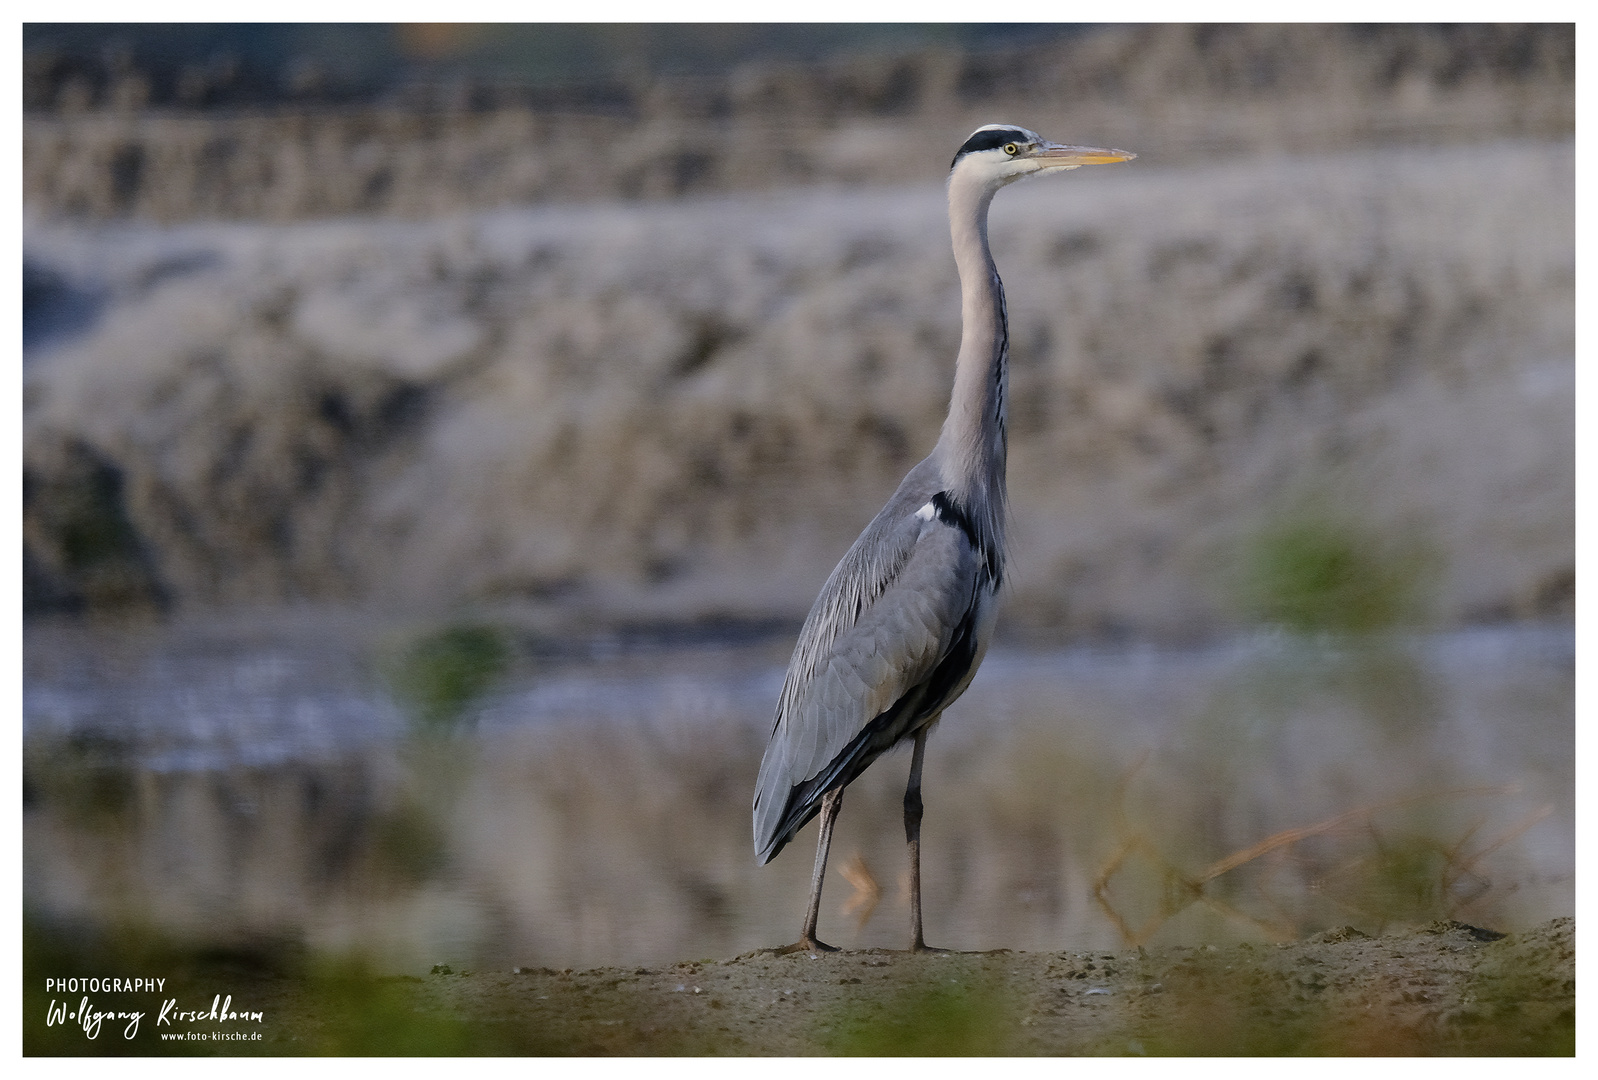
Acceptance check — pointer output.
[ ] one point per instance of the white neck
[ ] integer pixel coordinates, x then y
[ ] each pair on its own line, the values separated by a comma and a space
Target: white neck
971, 450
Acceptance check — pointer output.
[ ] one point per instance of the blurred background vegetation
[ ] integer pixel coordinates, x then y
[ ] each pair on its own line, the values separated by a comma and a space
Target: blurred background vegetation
1342, 264
235, 64
173, 122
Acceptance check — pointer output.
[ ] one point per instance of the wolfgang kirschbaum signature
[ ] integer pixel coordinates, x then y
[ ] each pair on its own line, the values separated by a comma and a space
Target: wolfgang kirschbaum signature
169, 1013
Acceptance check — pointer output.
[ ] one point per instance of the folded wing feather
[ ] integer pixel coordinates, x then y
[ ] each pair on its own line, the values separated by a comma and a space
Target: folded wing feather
886, 618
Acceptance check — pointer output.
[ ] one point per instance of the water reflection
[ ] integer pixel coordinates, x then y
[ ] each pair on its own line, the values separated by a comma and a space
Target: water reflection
259, 784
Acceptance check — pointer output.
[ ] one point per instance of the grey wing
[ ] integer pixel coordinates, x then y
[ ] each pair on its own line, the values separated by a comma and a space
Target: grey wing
874, 656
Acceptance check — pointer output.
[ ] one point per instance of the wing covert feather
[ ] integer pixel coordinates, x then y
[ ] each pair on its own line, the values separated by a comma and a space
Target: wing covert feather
880, 627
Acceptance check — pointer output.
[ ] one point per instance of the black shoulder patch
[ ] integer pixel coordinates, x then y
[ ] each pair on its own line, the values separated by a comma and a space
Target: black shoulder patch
991, 139
950, 513
953, 515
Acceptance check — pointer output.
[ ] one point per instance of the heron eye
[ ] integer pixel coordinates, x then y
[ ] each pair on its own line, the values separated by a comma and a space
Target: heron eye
1011, 149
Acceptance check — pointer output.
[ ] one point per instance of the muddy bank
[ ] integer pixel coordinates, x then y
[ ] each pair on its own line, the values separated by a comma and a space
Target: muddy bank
1447, 989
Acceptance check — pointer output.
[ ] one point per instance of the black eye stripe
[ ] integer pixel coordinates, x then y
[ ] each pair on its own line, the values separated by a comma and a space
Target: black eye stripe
990, 140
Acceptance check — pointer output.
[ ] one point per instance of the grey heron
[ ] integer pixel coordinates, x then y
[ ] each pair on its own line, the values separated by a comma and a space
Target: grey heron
905, 619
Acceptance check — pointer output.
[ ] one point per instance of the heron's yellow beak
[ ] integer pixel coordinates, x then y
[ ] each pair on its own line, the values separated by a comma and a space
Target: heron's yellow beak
1054, 156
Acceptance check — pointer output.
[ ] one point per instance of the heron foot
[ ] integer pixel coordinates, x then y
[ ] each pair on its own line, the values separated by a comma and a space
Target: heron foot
923, 947
806, 944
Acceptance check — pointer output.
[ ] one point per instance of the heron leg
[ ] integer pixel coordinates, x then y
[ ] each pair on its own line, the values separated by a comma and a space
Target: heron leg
912, 836
808, 942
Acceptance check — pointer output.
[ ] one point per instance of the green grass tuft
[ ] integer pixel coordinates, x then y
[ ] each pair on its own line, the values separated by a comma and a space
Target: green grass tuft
1319, 574
440, 674
954, 1016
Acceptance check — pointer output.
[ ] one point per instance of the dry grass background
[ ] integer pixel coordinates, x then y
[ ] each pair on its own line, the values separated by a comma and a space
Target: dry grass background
712, 322
115, 142
687, 410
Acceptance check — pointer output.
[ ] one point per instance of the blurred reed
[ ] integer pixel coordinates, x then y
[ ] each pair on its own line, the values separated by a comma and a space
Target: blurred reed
1074, 800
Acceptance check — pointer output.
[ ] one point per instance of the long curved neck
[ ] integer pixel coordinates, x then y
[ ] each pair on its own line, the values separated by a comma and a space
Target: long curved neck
971, 451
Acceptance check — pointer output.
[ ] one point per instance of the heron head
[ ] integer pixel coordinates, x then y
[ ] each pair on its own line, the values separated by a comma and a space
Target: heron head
999, 154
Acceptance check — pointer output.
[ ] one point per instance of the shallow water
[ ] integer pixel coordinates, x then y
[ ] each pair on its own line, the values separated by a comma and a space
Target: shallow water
257, 782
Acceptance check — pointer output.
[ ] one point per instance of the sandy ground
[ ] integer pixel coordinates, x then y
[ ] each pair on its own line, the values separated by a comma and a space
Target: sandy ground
1447, 989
